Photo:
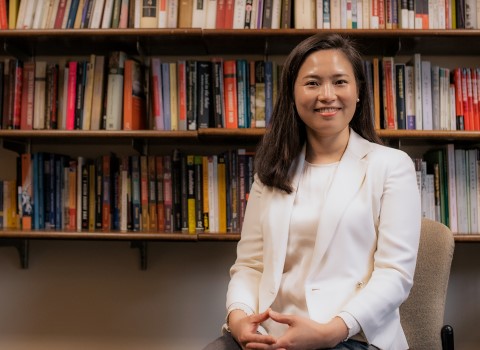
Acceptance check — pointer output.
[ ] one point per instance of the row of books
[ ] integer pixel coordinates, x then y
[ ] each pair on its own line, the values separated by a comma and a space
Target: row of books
449, 183
163, 193
123, 93
239, 14
420, 95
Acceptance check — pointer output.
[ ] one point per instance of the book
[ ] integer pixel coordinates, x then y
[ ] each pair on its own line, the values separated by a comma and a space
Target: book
185, 13
191, 96
204, 94
159, 162
134, 99
28, 94
157, 93
400, 95
39, 95
149, 14
191, 194
230, 93
152, 194
98, 92
260, 121
88, 95
168, 192
71, 95
182, 94
114, 110
27, 191
172, 66
198, 180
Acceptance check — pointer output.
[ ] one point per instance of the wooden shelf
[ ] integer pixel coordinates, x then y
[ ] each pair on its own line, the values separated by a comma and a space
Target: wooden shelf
198, 42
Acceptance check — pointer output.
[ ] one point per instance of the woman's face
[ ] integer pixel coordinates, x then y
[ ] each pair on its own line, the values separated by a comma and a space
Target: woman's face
326, 92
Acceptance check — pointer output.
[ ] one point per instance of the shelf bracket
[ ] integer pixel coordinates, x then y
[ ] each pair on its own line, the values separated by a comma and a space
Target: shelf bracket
138, 145
13, 51
17, 146
142, 248
22, 247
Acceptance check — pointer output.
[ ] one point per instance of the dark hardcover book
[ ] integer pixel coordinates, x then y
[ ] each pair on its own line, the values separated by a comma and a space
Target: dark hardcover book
39, 193
159, 163
198, 179
51, 105
61, 162
2, 82
460, 14
184, 191
204, 94
400, 95
152, 194
84, 195
217, 93
191, 193
269, 67
72, 13
267, 14
191, 100
136, 203
115, 184
49, 186
80, 93
168, 192
437, 157
286, 14
98, 192
233, 189
6, 94
177, 190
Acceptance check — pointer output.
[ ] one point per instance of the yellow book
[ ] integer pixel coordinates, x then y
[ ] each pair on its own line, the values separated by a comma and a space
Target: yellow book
222, 194
12, 13
173, 96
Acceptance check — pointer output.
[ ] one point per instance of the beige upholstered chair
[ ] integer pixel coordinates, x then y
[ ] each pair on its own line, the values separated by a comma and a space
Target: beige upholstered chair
423, 311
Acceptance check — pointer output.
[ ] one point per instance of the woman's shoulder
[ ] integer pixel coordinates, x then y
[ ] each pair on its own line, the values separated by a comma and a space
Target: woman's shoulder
388, 155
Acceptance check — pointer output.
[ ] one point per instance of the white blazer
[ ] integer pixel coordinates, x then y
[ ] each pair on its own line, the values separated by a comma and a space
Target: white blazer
366, 248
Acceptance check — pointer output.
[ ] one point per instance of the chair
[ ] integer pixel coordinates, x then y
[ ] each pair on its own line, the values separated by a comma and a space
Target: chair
422, 313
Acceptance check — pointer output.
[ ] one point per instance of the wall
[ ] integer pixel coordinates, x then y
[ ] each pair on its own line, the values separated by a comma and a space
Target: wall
92, 295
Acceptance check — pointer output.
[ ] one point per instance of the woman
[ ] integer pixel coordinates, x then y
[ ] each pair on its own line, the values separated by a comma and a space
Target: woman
330, 237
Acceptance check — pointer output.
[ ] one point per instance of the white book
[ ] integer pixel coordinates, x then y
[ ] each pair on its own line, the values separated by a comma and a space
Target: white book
213, 193
253, 21
319, 11
211, 17
366, 11
22, 9
172, 14
304, 14
359, 11
162, 14
433, 209
48, 21
115, 92
65, 17
40, 86
411, 19
239, 14
276, 13
107, 14
199, 13
96, 19
374, 18
416, 63
41, 12
427, 95
453, 117
472, 189
335, 13
344, 4
452, 189
470, 14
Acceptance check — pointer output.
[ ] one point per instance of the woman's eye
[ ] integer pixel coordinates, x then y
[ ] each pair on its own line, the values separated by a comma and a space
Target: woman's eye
340, 82
312, 83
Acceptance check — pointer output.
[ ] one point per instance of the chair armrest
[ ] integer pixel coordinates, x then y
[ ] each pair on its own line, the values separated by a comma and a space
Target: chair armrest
447, 337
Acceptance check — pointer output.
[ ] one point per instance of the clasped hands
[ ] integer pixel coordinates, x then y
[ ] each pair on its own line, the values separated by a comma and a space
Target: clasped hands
302, 333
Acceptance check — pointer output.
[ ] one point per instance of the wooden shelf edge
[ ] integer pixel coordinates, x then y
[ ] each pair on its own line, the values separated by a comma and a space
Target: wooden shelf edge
464, 238
97, 235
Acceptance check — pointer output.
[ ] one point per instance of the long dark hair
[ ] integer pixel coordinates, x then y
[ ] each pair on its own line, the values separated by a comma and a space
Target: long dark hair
286, 134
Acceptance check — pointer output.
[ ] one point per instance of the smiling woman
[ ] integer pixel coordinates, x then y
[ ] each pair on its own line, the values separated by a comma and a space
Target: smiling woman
331, 224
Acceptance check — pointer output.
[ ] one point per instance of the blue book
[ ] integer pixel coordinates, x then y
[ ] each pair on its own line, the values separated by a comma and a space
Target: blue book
268, 91
167, 115
72, 13
243, 105
136, 203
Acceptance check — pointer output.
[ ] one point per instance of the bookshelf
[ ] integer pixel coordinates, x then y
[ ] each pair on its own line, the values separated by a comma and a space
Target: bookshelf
196, 43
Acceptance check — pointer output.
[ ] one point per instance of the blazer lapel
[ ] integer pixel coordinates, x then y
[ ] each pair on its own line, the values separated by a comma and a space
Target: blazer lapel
279, 214
345, 185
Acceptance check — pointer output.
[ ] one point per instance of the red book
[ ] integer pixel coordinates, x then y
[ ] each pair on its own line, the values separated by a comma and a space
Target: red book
475, 98
182, 94
28, 94
134, 104
71, 94
3, 14
229, 10
16, 81
220, 19
230, 93
62, 4
460, 116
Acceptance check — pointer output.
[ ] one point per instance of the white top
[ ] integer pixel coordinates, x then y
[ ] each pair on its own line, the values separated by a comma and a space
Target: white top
312, 191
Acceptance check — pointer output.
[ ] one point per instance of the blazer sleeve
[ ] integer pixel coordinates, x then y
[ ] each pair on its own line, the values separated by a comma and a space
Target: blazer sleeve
397, 245
246, 272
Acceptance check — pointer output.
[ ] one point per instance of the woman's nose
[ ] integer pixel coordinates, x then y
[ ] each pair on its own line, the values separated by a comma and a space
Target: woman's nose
326, 92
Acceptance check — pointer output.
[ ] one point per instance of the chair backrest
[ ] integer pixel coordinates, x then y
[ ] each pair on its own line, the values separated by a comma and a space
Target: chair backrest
422, 313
